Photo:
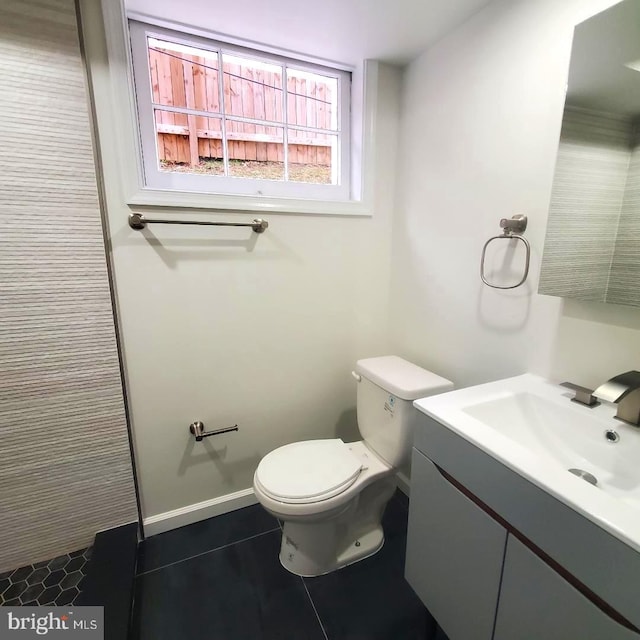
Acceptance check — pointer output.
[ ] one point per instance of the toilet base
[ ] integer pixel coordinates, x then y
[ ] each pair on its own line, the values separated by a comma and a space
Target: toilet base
295, 560
311, 549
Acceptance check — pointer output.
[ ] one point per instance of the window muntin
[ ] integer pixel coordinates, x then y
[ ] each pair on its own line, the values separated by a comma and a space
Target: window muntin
264, 126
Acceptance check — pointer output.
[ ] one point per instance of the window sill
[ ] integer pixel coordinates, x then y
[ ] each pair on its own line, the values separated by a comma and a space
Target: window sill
169, 199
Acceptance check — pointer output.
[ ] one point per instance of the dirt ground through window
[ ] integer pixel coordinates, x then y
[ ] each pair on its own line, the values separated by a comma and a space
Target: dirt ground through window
264, 170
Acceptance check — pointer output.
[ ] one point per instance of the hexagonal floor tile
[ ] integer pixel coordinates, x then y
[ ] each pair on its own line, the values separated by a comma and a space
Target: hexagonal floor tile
71, 580
49, 595
67, 596
15, 590
75, 564
38, 575
59, 579
58, 563
21, 574
32, 592
54, 578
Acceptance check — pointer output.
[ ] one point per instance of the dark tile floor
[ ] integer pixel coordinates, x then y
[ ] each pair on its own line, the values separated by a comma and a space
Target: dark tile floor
221, 579
53, 582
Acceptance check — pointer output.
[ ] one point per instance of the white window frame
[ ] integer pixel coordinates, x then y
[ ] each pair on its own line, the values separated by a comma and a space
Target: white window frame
117, 118
194, 182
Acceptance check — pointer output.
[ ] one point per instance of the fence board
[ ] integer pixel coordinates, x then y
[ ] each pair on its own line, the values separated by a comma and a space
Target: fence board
168, 144
300, 88
261, 151
258, 91
204, 148
248, 106
200, 103
178, 97
189, 90
321, 94
164, 84
153, 68
179, 100
278, 97
212, 104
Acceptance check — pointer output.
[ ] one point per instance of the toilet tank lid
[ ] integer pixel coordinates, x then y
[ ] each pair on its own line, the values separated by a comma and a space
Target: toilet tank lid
402, 378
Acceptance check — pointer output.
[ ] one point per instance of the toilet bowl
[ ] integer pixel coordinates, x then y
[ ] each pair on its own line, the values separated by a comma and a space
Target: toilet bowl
331, 495
326, 528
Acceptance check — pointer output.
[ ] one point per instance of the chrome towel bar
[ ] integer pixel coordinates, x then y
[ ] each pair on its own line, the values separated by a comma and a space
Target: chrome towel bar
138, 222
512, 228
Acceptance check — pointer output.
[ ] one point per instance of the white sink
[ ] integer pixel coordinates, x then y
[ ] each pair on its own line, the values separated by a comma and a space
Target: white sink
531, 426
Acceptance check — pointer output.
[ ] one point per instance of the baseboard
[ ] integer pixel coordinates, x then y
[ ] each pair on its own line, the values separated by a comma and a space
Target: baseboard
403, 483
162, 522
153, 525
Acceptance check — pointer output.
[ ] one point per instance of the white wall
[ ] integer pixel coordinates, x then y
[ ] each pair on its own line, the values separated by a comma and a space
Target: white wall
224, 326
223, 329
480, 126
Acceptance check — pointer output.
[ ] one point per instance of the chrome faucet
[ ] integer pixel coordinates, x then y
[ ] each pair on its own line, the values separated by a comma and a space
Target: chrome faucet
624, 390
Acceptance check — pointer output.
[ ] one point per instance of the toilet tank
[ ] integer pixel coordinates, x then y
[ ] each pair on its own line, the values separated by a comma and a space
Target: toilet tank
387, 387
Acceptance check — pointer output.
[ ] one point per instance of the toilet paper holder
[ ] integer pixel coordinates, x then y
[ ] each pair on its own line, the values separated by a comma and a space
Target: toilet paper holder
197, 429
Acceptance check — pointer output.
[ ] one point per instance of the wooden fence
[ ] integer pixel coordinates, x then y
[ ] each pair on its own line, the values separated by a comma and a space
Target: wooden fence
183, 80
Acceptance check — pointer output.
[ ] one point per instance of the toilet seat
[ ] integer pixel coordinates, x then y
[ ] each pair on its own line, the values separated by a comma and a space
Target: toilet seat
308, 471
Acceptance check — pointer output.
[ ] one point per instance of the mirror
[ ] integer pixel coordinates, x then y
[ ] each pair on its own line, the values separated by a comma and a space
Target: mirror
592, 246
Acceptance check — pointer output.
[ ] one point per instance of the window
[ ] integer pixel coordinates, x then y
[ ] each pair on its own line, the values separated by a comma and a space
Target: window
217, 118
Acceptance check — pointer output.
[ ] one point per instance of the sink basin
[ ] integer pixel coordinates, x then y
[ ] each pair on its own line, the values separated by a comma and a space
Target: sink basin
530, 425
568, 437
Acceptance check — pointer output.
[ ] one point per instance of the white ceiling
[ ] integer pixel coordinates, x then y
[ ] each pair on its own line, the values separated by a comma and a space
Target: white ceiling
345, 31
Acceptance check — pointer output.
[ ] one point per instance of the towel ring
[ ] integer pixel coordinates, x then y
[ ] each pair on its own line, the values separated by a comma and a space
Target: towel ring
517, 223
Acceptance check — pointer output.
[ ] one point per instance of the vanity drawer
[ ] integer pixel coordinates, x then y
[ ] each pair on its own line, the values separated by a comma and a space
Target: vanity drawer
536, 602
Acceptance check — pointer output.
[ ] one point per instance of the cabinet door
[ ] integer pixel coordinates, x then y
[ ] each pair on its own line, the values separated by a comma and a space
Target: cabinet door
536, 602
454, 554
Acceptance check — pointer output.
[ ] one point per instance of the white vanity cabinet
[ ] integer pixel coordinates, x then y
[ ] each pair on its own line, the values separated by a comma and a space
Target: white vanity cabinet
454, 554
492, 560
537, 602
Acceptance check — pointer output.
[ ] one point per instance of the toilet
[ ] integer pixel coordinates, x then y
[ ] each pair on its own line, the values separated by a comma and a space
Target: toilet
331, 495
